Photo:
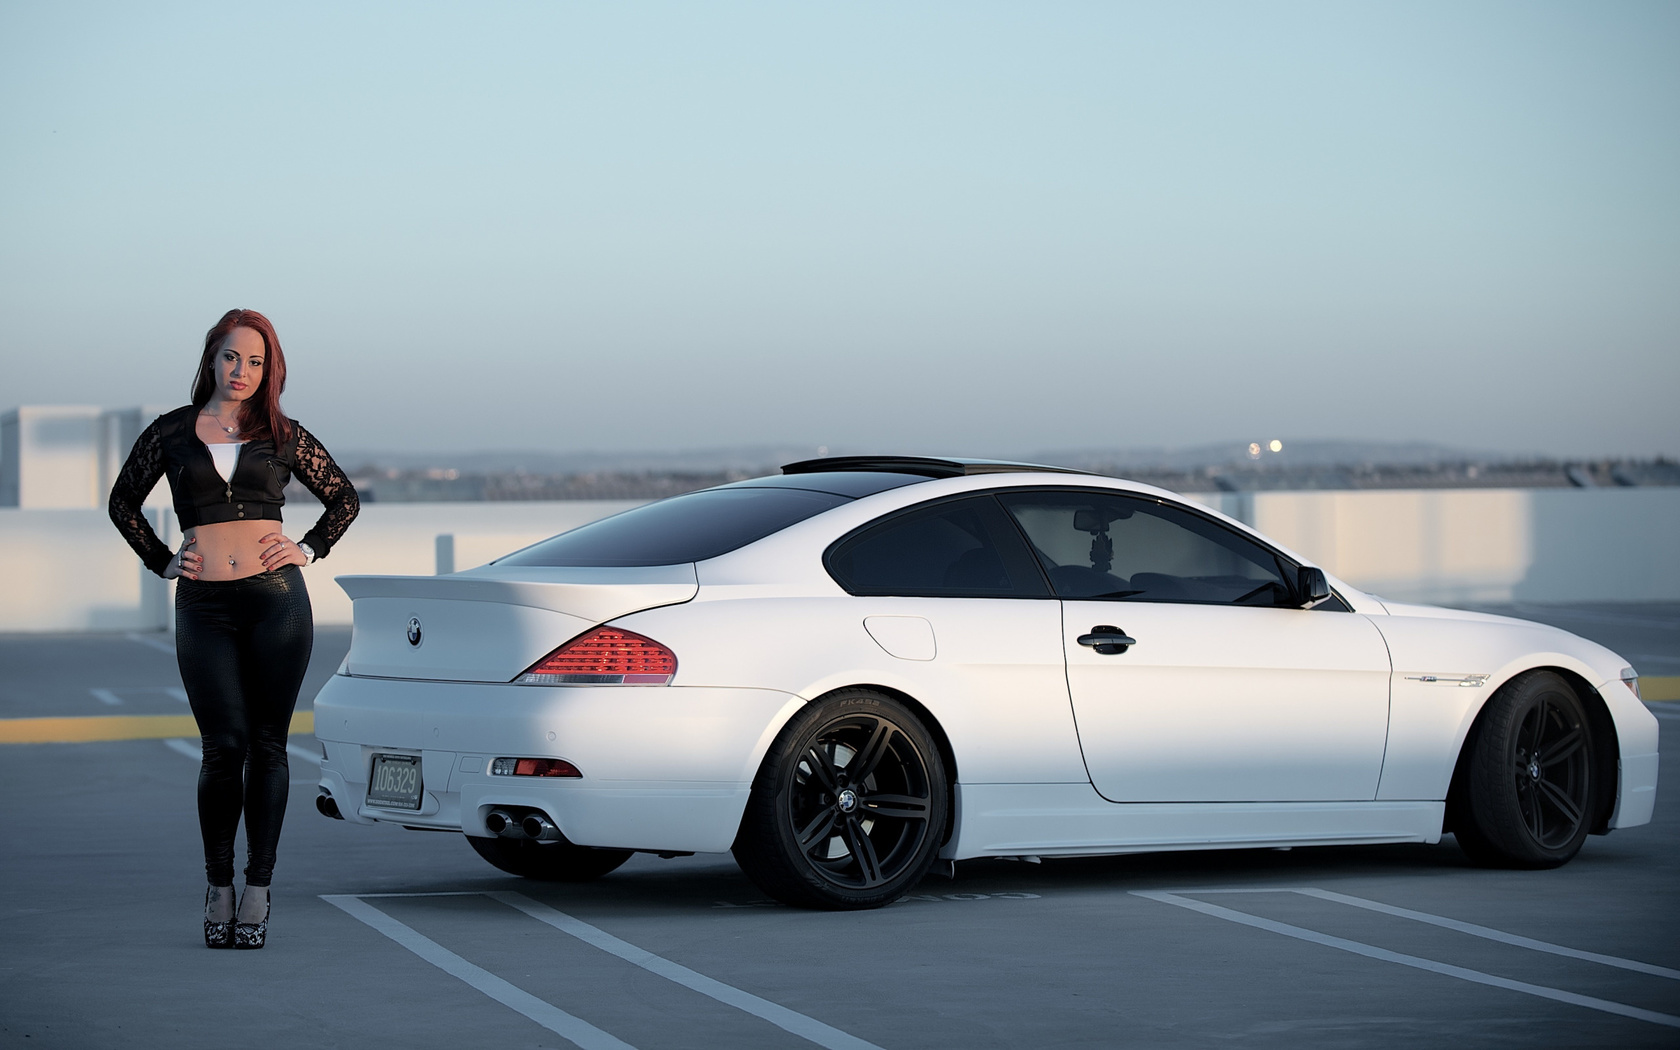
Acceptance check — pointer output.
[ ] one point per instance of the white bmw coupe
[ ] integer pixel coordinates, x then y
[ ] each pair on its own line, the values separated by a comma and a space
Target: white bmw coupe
863, 666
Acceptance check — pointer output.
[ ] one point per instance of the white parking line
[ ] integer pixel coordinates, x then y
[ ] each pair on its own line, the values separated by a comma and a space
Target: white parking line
434, 893
1384, 955
551, 1017
303, 753
178, 693
788, 1020
1493, 935
105, 696
153, 642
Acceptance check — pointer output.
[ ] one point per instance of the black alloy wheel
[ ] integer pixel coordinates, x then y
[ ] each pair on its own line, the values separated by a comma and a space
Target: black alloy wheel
1524, 793
849, 808
548, 861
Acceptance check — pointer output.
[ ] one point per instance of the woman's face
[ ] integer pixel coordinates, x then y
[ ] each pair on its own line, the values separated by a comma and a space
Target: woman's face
238, 363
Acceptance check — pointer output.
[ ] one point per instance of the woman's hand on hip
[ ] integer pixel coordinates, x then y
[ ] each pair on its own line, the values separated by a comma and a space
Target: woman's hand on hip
187, 562
281, 551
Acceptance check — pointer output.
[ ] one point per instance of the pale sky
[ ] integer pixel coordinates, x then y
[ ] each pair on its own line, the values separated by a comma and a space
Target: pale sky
962, 229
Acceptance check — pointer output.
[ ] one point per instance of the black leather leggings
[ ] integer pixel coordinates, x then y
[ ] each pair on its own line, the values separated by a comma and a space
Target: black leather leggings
243, 646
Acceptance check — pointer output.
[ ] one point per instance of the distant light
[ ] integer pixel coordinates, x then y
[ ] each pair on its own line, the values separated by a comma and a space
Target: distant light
822, 450
1254, 450
1276, 445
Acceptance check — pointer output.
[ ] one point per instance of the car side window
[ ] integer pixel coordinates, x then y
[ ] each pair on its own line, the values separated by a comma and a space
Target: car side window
1099, 545
963, 548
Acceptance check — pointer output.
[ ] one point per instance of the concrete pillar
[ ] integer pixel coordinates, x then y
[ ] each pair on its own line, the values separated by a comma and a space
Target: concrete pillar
50, 457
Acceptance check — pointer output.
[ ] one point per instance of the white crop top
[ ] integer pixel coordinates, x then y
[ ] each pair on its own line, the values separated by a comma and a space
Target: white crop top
225, 456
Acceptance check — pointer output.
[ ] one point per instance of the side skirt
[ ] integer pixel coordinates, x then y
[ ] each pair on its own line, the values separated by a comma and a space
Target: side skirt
1072, 819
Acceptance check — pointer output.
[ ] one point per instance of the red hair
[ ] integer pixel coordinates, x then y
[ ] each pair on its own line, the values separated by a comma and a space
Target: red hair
259, 414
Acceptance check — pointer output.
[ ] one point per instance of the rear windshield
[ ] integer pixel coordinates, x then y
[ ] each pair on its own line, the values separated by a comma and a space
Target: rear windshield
691, 527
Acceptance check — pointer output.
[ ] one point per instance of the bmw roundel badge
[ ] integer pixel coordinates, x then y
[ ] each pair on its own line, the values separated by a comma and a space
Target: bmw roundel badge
414, 631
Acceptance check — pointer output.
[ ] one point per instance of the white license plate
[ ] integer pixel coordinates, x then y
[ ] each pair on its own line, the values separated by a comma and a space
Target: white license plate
395, 782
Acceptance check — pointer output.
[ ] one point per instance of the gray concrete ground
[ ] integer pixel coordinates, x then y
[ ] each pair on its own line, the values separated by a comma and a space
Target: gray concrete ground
100, 890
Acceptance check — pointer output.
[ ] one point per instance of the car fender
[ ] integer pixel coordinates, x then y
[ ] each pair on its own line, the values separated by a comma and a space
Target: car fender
1447, 665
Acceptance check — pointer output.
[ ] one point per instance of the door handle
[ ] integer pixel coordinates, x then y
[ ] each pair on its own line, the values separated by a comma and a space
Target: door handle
1107, 640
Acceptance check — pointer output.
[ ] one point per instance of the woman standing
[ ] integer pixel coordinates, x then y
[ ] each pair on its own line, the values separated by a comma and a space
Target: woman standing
243, 629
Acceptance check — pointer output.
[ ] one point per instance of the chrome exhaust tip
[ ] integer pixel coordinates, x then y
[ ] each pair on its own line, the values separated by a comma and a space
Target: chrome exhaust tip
327, 806
539, 827
500, 822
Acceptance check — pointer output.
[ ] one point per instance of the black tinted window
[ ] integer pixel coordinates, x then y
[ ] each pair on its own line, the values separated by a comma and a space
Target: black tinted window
1103, 545
691, 527
962, 548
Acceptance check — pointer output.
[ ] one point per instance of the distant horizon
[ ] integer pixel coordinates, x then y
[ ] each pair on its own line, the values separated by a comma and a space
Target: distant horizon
1300, 453
1295, 451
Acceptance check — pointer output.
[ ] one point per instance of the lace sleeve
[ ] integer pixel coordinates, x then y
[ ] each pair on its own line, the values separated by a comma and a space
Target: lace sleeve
321, 476
139, 474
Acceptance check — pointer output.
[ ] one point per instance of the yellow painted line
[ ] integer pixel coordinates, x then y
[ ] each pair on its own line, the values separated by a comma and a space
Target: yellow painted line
114, 727
1665, 687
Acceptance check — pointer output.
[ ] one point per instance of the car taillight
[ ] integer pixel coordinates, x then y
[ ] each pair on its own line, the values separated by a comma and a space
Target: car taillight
604, 656
533, 767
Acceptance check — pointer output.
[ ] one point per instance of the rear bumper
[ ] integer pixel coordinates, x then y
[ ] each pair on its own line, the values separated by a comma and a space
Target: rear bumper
664, 767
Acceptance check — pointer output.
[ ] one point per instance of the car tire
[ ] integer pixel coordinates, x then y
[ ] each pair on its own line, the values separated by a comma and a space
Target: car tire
849, 808
1523, 794
548, 861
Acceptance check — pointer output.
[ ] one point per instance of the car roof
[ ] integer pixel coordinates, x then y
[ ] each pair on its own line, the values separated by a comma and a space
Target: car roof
920, 466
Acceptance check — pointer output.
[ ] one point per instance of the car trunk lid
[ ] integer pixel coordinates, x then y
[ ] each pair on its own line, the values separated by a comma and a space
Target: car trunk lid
491, 623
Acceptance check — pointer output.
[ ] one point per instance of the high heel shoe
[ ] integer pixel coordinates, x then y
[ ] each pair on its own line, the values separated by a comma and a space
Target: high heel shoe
252, 934
216, 934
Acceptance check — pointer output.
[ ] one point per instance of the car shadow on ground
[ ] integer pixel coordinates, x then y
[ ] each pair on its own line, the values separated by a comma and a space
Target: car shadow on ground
648, 886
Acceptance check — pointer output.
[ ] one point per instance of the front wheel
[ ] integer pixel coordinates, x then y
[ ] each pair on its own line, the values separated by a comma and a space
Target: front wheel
849, 807
548, 861
1524, 794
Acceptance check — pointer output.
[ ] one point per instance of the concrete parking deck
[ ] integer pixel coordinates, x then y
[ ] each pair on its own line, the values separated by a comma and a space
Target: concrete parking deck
408, 938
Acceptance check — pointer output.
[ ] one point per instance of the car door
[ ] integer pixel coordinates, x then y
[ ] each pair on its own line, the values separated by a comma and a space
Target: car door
1227, 690
949, 588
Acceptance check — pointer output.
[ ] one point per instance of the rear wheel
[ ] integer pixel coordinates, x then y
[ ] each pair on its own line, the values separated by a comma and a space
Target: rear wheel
1524, 797
848, 810
548, 861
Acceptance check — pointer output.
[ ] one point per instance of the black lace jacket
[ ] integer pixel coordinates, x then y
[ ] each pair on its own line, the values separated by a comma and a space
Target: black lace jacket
170, 446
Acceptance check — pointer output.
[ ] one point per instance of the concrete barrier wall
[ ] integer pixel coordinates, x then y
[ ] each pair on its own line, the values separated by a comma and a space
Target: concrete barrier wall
68, 570
1487, 545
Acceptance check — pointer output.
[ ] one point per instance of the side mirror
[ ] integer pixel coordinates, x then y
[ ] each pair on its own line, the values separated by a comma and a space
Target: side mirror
1312, 586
